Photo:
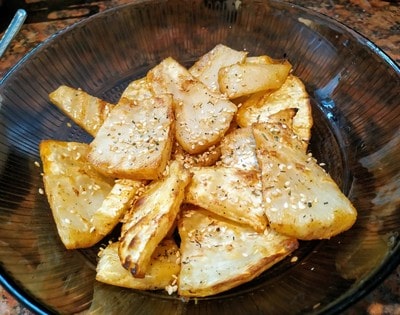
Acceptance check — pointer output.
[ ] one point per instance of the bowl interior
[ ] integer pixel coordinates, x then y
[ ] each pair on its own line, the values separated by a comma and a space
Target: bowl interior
354, 90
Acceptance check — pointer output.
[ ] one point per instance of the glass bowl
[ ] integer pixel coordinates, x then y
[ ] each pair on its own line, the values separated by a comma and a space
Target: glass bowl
355, 92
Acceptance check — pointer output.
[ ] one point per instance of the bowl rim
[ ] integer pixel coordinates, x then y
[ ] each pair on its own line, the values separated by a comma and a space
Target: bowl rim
353, 295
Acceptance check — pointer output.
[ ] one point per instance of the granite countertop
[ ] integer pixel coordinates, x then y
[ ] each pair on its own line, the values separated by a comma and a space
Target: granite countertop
377, 20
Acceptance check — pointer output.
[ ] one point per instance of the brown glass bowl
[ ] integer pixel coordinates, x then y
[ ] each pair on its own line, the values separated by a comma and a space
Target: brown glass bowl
355, 91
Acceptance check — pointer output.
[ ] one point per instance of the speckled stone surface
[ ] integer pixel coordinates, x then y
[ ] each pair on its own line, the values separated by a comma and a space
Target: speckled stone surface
377, 20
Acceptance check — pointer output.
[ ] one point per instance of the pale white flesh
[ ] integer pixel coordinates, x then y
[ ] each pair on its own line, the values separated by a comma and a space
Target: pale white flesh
217, 255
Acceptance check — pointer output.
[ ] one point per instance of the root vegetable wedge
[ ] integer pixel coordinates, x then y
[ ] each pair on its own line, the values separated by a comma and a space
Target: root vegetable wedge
202, 116
238, 147
135, 141
206, 68
247, 78
301, 199
151, 218
217, 255
87, 111
238, 150
115, 205
266, 60
229, 192
292, 94
137, 90
206, 158
164, 267
74, 189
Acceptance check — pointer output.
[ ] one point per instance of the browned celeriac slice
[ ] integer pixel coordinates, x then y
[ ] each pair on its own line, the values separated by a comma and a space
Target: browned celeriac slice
202, 116
90, 112
137, 90
238, 147
301, 199
238, 150
206, 158
135, 141
87, 111
247, 78
266, 60
206, 68
162, 273
151, 218
74, 189
217, 255
229, 192
115, 205
292, 94
248, 99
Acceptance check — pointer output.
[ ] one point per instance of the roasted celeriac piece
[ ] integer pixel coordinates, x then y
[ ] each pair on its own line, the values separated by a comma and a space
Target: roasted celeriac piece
206, 68
162, 273
217, 255
137, 90
151, 218
87, 111
238, 150
202, 116
247, 78
206, 158
115, 205
238, 147
300, 198
74, 189
266, 60
135, 141
229, 192
292, 94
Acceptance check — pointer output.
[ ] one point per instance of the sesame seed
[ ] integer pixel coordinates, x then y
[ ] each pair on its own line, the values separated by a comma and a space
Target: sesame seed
301, 205
286, 205
316, 305
171, 289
